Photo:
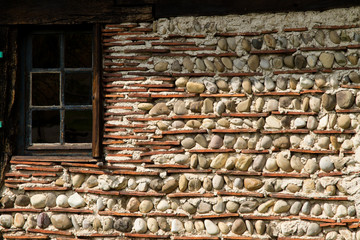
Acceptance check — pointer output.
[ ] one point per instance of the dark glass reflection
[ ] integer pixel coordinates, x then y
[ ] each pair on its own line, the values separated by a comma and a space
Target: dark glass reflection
45, 89
45, 51
45, 126
78, 49
78, 88
78, 125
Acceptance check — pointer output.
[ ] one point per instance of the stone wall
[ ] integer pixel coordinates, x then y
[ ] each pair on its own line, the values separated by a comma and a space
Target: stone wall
232, 127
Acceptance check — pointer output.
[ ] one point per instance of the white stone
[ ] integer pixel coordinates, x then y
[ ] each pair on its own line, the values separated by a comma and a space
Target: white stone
176, 226
323, 122
140, 225
163, 205
38, 201
306, 83
299, 123
100, 204
152, 225
326, 164
76, 201
211, 227
62, 201
341, 211
273, 122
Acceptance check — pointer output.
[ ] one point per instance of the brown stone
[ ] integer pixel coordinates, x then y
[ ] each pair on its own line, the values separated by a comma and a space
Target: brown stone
253, 184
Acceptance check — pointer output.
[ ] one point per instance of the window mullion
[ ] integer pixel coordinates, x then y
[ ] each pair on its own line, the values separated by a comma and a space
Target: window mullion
62, 87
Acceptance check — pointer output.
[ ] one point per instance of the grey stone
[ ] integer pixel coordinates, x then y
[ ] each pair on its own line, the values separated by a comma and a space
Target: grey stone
246, 85
295, 208
204, 207
316, 210
354, 77
281, 83
194, 184
188, 64
188, 207
320, 37
239, 63
282, 142
244, 106
76, 201
283, 42
179, 108
175, 66
218, 182
259, 163
6, 220
248, 206
328, 102
265, 64
285, 102
312, 123
340, 58
326, 164
269, 84
266, 142
188, 143
311, 166
306, 208
229, 141
211, 87
313, 229
306, 37
156, 185
200, 64
201, 140
146, 206
240, 143
231, 43
123, 224
108, 224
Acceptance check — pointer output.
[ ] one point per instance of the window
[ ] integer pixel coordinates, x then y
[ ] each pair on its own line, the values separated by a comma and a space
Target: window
60, 91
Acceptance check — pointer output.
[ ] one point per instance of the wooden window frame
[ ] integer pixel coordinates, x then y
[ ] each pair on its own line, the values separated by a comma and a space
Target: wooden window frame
97, 110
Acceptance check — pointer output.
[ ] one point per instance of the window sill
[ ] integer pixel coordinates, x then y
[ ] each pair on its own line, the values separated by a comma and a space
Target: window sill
67, 146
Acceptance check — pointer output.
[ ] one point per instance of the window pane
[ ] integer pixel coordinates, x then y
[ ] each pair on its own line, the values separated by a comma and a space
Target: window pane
78, 88
78, 125
78, 49
45, 127
45, 89
45, 51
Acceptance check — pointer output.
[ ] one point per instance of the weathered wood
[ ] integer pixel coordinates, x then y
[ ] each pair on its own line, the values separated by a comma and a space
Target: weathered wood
71, 12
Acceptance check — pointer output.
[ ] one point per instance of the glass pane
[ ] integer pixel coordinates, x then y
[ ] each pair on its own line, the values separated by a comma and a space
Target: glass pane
78, 125
45, 127
45, 51
45, 89
78, 88
78, 50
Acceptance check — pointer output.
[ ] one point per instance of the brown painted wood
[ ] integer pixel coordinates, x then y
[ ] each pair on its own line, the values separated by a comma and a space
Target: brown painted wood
71, 12
97, 99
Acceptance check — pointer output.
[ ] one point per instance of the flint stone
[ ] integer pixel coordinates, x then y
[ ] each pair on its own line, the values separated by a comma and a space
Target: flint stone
253, 62
61, 221
252, 184
327, 59
161, 66
76, 201
43, 220
248, 206
21, 200
159, 109
345, 99
238, 227
194, 87
170, 186
216, 142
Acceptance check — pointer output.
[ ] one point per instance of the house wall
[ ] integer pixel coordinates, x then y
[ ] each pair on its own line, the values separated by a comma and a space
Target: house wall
223, 127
